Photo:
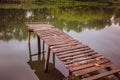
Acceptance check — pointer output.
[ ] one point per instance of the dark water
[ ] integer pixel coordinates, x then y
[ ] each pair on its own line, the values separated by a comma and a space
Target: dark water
95, 26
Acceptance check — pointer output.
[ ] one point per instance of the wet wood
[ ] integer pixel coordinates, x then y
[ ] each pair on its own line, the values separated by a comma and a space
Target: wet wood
91, 69
68, 48
63, 42
43, 50
28, 37
85, 65
38, 26
39, 47
82, 59
65, 45
75, 53
78, 58
102, 75
47, 61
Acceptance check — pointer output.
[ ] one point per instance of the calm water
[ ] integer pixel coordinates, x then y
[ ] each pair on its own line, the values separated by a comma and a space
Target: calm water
97, 27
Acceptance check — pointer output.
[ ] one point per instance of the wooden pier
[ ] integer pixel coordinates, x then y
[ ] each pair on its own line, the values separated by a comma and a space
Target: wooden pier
77, 57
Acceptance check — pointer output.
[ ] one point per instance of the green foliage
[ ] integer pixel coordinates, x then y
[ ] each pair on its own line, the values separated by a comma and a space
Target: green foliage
12, 21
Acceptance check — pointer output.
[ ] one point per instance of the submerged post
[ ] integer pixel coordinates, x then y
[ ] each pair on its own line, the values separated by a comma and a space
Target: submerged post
54, 59
28, 37
39, 47
30, 53
47, 60
43, 51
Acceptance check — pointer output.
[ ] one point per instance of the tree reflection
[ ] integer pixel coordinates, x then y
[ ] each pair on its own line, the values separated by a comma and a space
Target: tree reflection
116, 18
12, 21
12, 24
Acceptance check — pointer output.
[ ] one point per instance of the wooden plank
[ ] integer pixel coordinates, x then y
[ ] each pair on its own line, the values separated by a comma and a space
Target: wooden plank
53, 30
91, 69
39, 47
29, 37
82, 61
63, 42
102, 74
43, 28
77, 56
39, 26
86, 64
75, 53
55, 37
86, 57
59, 41
69, 48
72, 60
74, 67
65, 45
55, 40
50, 32
47, 61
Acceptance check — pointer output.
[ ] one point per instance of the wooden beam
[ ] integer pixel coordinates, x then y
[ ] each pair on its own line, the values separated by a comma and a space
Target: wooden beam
43, 50
30, 53
47, 61
102, 74
54, 59
39, 47
28, 37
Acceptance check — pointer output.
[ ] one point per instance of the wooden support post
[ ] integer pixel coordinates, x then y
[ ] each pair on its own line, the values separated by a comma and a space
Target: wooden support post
39, 47
54, 59
47, 61
43, 47
28, 37
30, 53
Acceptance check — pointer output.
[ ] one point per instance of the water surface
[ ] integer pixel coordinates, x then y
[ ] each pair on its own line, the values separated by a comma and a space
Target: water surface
97, 27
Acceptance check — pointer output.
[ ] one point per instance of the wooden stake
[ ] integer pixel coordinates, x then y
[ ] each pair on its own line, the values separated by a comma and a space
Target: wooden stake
30, 53
54, 59
47, 61
43, 47
39, 47
28, 37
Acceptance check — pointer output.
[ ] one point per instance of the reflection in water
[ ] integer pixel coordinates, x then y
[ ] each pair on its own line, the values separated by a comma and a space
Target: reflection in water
12, 24
87, 24
29, 14
38, 67
12, 21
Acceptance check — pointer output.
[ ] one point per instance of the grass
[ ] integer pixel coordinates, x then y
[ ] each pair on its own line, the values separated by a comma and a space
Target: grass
36, 5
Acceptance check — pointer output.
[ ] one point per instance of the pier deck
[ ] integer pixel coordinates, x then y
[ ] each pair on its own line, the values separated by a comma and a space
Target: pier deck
77, 57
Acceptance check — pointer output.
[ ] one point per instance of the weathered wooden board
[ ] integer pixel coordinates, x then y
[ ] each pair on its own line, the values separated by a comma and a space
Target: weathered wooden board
91, 69
77, 57
102, 74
